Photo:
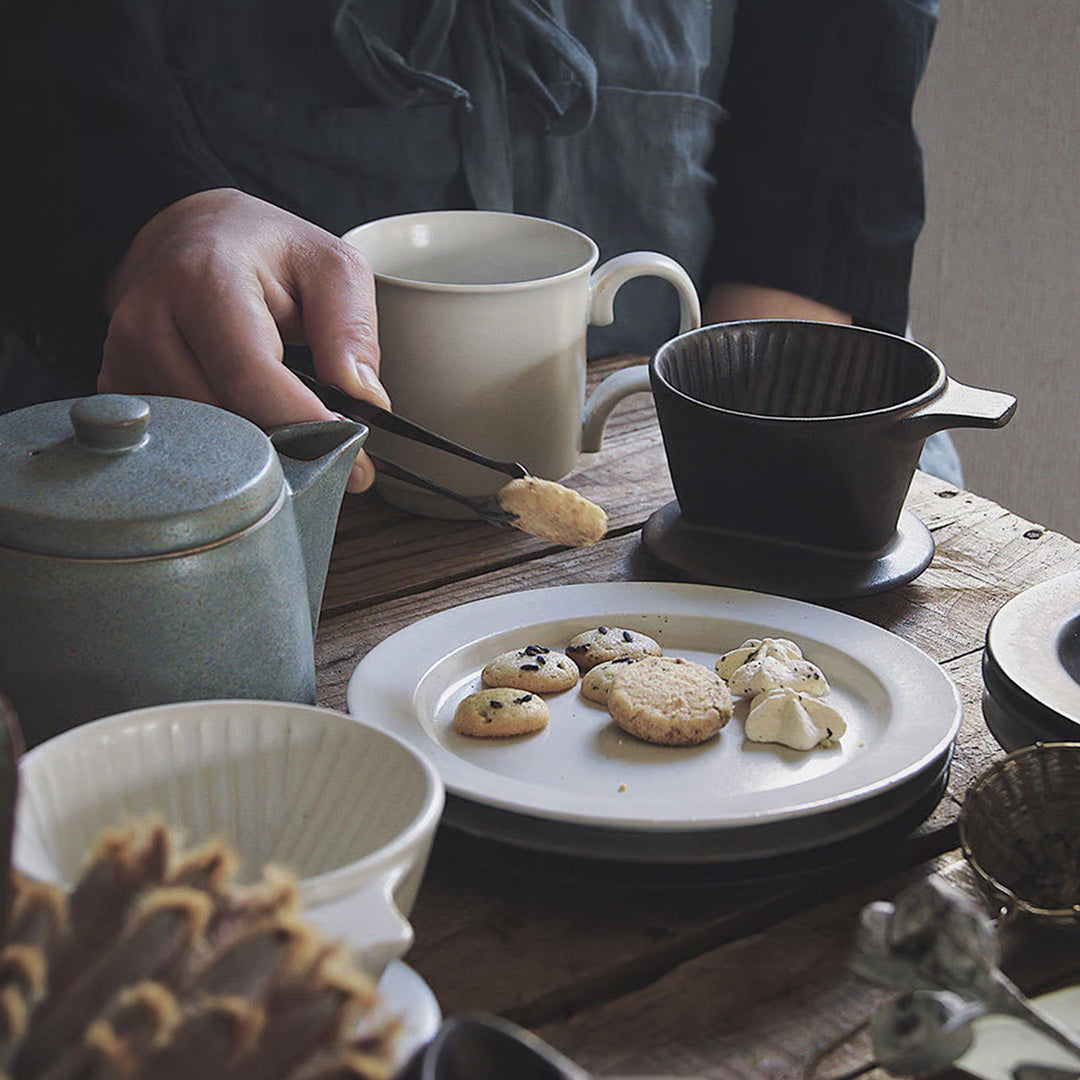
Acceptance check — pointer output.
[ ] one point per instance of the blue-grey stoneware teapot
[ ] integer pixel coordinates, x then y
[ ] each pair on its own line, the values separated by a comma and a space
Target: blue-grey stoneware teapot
155, 549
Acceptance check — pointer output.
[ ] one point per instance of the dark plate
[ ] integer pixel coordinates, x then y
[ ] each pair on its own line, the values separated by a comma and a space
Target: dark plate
1031, 664
1011, 730
498, 856
1016, 720
752, 852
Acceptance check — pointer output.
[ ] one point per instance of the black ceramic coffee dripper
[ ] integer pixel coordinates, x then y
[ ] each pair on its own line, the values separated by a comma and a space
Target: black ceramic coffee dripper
791, 447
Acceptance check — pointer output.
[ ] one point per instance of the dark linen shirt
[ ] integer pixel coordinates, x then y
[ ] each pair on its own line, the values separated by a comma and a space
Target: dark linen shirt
768, 141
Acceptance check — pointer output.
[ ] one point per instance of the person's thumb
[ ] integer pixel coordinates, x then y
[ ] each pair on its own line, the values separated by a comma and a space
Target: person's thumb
337, 302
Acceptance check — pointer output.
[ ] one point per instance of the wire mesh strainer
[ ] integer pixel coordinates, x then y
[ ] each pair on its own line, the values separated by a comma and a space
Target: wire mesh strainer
1020, 832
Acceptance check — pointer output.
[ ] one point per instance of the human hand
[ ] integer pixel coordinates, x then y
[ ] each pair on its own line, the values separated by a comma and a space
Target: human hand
211, 289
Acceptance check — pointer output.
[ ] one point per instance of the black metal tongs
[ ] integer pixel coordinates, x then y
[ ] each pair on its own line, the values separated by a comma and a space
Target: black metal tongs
489, 509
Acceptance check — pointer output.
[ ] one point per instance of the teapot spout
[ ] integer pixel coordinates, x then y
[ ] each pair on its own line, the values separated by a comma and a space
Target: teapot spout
316, 457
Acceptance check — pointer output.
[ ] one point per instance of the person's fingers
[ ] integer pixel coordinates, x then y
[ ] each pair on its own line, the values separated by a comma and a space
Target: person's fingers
362, 474
206, 294
145, 353
233, 335
236, 340
336, 294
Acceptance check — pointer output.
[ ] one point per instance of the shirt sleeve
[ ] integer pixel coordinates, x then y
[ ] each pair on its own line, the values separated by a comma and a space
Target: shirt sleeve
98, 140
819, 174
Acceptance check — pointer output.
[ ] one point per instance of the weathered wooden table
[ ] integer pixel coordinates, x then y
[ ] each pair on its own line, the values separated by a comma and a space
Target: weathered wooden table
635, 976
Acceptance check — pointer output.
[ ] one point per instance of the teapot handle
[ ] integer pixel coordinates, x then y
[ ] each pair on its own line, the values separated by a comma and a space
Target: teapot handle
958, 406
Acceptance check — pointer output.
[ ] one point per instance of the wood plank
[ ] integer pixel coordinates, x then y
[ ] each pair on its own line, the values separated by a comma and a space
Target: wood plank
759, 1006
535, 974
558, 936
985, 555
766, 1004
381, 552
945, 611
546, 926
976, 748
344, 638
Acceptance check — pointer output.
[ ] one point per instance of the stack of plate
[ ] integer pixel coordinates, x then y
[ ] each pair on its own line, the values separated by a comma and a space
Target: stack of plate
1031, 666
584, 788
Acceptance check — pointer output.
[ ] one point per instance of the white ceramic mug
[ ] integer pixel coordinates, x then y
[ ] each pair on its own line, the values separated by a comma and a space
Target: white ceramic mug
482, 323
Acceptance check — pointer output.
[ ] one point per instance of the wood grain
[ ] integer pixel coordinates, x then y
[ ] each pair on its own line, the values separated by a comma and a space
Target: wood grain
688, 973
759, 1006
767, 1004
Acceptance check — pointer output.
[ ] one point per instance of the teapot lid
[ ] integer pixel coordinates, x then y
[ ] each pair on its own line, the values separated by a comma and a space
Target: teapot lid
114, 476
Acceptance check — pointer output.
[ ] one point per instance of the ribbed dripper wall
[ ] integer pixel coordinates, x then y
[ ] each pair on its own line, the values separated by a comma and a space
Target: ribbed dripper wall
797, 370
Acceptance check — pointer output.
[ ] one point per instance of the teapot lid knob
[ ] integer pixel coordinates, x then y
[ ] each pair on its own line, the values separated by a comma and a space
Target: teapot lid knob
110, 422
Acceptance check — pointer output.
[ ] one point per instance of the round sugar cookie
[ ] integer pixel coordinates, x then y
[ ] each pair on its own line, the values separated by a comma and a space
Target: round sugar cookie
596, 682
500, 711
533, 668
603, 643
670, 701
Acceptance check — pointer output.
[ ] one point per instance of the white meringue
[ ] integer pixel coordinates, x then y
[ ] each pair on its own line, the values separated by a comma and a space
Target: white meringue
766, 673
790, 718
752, 649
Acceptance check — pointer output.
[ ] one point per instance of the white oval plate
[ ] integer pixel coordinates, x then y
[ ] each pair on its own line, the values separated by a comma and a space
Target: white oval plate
902, 710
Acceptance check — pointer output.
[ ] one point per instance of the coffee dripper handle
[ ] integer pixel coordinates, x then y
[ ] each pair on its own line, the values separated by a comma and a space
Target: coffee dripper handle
959, 406
604, 283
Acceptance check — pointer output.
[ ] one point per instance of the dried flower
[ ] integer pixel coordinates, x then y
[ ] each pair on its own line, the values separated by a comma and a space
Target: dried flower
156, 965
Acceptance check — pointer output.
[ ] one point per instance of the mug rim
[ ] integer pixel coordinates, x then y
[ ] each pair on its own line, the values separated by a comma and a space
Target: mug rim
581, 269
866, 416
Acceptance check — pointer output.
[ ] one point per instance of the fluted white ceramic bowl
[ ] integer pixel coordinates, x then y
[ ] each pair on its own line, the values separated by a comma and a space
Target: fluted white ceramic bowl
350, 809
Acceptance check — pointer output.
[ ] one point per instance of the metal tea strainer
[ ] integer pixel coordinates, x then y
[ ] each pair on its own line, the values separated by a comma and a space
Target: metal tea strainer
1020, 832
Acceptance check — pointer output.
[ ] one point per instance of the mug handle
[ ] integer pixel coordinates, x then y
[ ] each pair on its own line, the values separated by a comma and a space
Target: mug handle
605, 282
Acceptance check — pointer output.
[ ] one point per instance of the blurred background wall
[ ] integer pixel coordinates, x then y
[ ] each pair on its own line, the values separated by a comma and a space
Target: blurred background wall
996, 285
